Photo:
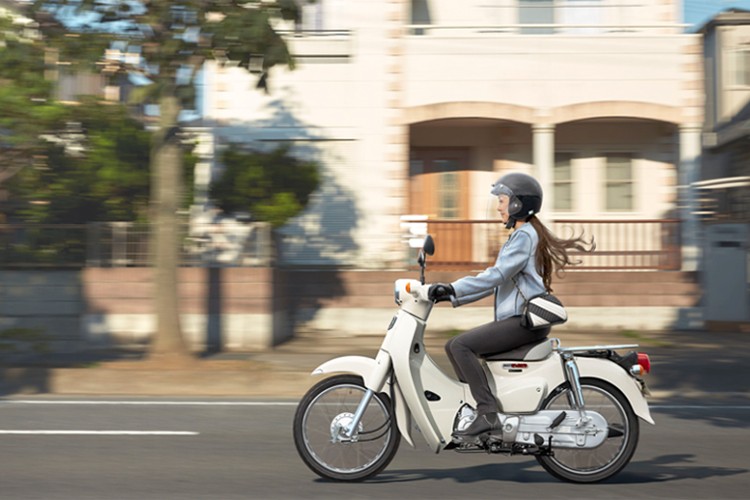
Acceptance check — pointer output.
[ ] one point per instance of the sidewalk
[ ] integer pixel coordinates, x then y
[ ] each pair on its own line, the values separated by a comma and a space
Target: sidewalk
284, 372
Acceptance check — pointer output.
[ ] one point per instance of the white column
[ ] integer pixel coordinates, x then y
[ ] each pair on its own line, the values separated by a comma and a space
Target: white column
544, 162
689, 172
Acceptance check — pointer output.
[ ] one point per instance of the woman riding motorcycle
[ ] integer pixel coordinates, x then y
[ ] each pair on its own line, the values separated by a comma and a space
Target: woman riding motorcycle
523, 268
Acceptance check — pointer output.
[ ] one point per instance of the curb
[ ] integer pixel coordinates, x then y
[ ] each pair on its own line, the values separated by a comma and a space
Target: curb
232, 383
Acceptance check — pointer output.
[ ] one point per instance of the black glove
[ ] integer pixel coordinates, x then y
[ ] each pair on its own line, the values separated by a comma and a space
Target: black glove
440, 292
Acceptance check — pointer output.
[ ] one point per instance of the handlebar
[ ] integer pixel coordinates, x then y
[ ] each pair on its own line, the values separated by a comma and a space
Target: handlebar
411, 287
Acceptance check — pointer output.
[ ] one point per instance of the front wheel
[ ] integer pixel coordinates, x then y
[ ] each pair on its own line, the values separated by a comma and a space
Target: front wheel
606, 460
322, 415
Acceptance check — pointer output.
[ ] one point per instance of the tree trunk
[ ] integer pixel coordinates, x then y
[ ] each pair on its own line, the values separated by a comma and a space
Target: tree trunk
166, 192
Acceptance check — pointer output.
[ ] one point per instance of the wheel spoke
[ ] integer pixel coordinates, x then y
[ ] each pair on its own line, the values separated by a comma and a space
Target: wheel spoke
326, 410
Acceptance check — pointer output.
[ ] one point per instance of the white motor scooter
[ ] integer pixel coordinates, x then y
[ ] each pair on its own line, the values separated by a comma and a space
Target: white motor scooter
575, 409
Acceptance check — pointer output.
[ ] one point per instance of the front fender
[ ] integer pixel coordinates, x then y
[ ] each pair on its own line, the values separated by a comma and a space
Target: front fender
367, 368
357, 365
615, 375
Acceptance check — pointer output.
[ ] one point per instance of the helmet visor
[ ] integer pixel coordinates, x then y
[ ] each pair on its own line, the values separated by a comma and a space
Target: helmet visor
500, 189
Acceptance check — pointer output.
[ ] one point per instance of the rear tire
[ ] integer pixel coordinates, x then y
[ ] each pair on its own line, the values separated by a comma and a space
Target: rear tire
597, 464
327, 406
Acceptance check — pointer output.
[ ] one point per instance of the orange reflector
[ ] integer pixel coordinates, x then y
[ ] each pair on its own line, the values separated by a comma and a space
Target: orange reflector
408, 287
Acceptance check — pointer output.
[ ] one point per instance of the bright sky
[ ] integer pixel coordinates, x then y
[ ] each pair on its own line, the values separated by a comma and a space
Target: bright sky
697, 12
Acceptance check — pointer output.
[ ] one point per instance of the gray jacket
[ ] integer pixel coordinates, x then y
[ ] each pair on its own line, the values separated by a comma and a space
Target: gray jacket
515, 260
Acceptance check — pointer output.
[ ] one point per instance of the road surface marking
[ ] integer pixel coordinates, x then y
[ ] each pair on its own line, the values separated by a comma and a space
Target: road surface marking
290, 403
98, 433
148, 403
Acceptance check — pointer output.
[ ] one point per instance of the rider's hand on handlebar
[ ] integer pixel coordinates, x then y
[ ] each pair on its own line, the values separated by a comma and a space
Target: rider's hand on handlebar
440, 292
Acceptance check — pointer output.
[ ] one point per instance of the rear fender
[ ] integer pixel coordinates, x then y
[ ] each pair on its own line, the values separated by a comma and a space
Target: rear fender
610, 372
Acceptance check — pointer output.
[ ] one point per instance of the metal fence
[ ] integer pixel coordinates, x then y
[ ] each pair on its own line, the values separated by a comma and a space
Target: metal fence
127, 244
462, 244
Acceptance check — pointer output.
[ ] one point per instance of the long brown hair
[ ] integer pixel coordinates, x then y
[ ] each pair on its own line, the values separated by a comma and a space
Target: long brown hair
552, 252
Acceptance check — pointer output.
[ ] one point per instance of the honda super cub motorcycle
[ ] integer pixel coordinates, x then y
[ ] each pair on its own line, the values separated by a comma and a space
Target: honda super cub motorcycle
575, 409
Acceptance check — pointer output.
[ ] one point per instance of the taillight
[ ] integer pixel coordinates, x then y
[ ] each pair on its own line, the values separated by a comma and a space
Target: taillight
644, 361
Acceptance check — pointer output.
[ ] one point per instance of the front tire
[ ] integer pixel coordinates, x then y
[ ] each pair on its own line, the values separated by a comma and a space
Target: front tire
597, 464
325, 408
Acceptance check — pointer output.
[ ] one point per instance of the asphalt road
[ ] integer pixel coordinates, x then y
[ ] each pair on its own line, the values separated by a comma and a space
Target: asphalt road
226, 449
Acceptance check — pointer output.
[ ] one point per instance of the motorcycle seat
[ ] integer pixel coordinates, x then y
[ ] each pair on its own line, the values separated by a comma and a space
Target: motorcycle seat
533, 351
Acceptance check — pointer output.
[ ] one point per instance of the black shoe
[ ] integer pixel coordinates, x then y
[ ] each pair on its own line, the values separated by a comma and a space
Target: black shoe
483, 424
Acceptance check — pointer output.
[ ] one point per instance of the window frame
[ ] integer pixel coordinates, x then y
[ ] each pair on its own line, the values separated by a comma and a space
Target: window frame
559, 10
608, 182
733, 67
569, 182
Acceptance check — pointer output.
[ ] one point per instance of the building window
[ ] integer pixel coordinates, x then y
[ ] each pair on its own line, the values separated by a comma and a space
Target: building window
618, 189
438, 182
563, 182
536, 12
311, 16
416, 167
448, 195
580, 14
740, 67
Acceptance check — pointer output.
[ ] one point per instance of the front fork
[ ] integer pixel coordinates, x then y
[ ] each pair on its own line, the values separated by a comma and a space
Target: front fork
349, 432
574, 380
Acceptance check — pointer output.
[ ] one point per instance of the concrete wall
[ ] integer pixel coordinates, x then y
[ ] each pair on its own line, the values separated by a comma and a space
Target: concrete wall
40, 310
354, 302
222, 308
227, 308
238, 309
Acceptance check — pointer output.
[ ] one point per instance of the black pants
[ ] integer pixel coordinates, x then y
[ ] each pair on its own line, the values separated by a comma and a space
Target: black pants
491, 338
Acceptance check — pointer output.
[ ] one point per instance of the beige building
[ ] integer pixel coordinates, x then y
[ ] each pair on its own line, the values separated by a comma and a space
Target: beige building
416, 107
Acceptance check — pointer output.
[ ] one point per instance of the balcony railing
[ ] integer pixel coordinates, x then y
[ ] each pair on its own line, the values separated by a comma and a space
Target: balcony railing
634, 244
447, 30
620, 244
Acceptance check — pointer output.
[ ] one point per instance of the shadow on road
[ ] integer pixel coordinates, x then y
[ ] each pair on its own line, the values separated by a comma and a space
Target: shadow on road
725, 416
660, 469
670, 468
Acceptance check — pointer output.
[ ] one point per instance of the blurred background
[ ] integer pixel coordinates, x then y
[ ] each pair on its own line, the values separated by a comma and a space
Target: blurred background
230, 175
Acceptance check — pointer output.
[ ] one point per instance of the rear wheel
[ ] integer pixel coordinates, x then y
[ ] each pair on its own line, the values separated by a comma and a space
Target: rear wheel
323, 415
597, 464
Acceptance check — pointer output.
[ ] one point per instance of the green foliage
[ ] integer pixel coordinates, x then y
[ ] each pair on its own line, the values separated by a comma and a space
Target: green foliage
107, 180
273, 187
26, 109
246, 33
170, 41
173, 37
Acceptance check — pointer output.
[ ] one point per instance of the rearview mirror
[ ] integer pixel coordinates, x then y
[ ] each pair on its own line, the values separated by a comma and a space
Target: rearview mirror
429, 245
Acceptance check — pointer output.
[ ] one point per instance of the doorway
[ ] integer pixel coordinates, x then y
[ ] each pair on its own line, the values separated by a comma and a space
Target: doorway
439, 188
